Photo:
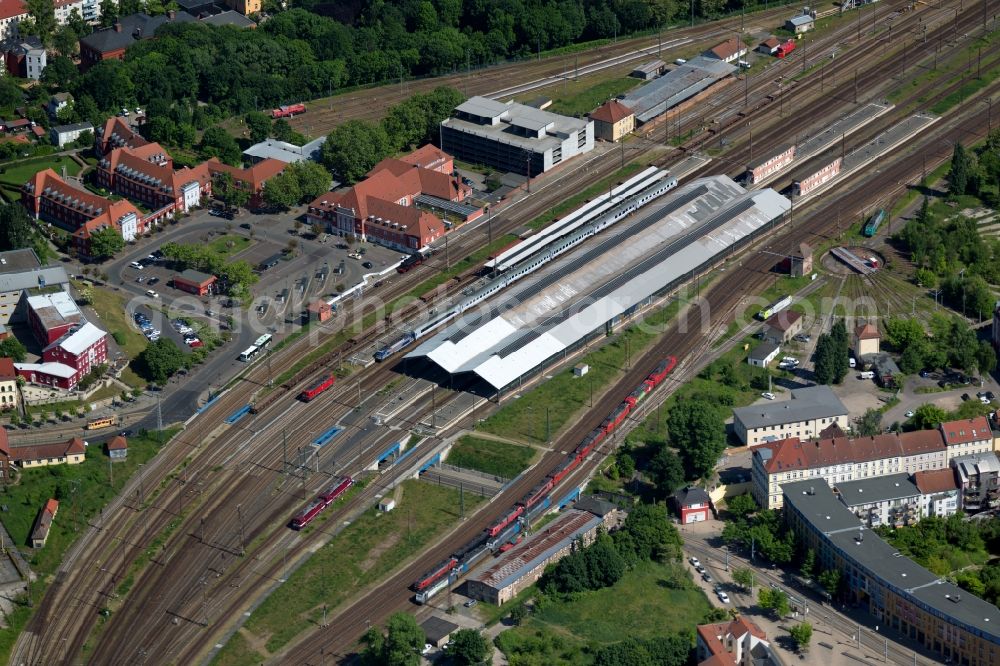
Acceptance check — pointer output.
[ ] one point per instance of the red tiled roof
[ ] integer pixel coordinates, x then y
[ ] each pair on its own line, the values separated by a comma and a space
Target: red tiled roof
7, 370
12, 8
794, 454
782, 321
427, 156
728, 48
966, 431
867, 332
127, 137
38, 131
117, 443
771, 43
611, 112
42, 451
51, 506
255, 176
935, 480
712, 636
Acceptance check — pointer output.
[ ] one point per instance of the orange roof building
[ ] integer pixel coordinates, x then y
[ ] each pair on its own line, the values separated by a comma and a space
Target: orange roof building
43, 523
612, 121
383, 208
116, 133
739, 641
867, 340
727, 51
252, 179
146, 174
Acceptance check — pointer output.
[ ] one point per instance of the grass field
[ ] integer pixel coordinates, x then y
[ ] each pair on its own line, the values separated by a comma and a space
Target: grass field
577, 200
229, 244
81, 490
14, 176
491, 456
238, 652
652, 600
583, 96
110, 307
363, 553
541, 412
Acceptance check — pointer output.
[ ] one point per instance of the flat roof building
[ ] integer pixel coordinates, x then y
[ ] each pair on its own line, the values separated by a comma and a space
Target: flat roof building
21, 272
892, 500
194, 282
676, 86
514, 137
51, 316
649, 70
810, 410
283, 151
603, 283
899, 593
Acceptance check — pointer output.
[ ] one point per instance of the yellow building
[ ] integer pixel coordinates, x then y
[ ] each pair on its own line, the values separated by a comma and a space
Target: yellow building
70, 452
245, 7
612, 121
866, 340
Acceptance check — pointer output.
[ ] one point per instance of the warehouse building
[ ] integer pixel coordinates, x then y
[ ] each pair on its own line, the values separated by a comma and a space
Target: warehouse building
20, 273
676, 86
589, 292
514, 137
649, 70
895, 590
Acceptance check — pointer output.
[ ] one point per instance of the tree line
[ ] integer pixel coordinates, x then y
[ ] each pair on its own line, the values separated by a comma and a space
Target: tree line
950, 344
237, 276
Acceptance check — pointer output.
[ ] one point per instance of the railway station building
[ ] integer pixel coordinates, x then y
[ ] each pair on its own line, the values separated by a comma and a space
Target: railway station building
599, 286
514, 137
898, 593
676, 86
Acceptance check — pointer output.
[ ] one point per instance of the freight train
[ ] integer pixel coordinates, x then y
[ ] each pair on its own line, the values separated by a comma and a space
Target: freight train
507, 529
288, 111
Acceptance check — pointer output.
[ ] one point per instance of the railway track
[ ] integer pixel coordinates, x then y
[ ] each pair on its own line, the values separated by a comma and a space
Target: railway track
110, 546
338, 639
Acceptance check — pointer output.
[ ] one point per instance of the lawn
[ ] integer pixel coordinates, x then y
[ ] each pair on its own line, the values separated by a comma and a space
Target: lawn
82, 491
652, 600
579, 98
539, 413
110, 307
490, 456
229, 244
362, 554
12, 177
237, 652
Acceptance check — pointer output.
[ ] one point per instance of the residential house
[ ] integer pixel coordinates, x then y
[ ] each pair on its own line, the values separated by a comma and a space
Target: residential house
51, 316
57, 103
390, 206
783, 326
978, 477
892, 500
10, 392
866, 340
89, 10
65, 134
43, 523
809, 411
939, 494
738, 642
245, 7
613, 121
693, 505
728, 51
25, 58
71, 452
117, 448
967, 436
232, 18
762, 355
837, 460
111, 43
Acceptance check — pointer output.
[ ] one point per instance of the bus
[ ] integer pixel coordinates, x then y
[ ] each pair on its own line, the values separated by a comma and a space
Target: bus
262, 342
250, 354
106, 422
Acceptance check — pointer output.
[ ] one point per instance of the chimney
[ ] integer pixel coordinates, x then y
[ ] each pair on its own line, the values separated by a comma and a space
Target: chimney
118, 27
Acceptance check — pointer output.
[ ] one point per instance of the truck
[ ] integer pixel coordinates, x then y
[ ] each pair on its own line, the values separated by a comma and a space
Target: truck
288, 110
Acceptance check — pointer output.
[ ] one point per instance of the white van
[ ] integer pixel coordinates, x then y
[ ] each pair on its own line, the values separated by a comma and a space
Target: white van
852, 362
868, 374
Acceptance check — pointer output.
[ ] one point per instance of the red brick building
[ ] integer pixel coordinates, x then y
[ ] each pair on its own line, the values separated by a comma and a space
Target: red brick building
146, 174
761, 169
51, 316
320, 311
383, 208
116, 133
250, 179
111, 43
194, 282
68, 360
693, 505
51, 199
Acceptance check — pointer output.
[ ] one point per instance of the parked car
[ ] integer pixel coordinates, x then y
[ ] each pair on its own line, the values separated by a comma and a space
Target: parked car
767, 395
368, 264
152, 294
706, 577
140, 279
471, 602
909, 414
989, 395
152, 281
136, 265
965, 397
723, 597
695, 562
984, 400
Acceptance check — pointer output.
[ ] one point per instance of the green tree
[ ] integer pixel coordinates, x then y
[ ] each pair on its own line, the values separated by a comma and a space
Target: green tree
699, 433
629, 652
109, 13
159, 360
986, 358
12, 348
741, 506
775, 601
825, 366
15, 227
217, 142
842, 350
283, 131
648, 534
60, 73
41, 20
517, 614
404, 641
667, 470
829, 580
808, 568
224, 188
259, 126
313, 179
801, 633
65, 40
282, 191
605, 566
743, 576
469, 647
901, 333
958, 174
352, 149
869, 424
106, 242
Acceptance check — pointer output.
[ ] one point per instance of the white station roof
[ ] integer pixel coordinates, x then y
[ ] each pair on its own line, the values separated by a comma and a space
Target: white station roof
557, 306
